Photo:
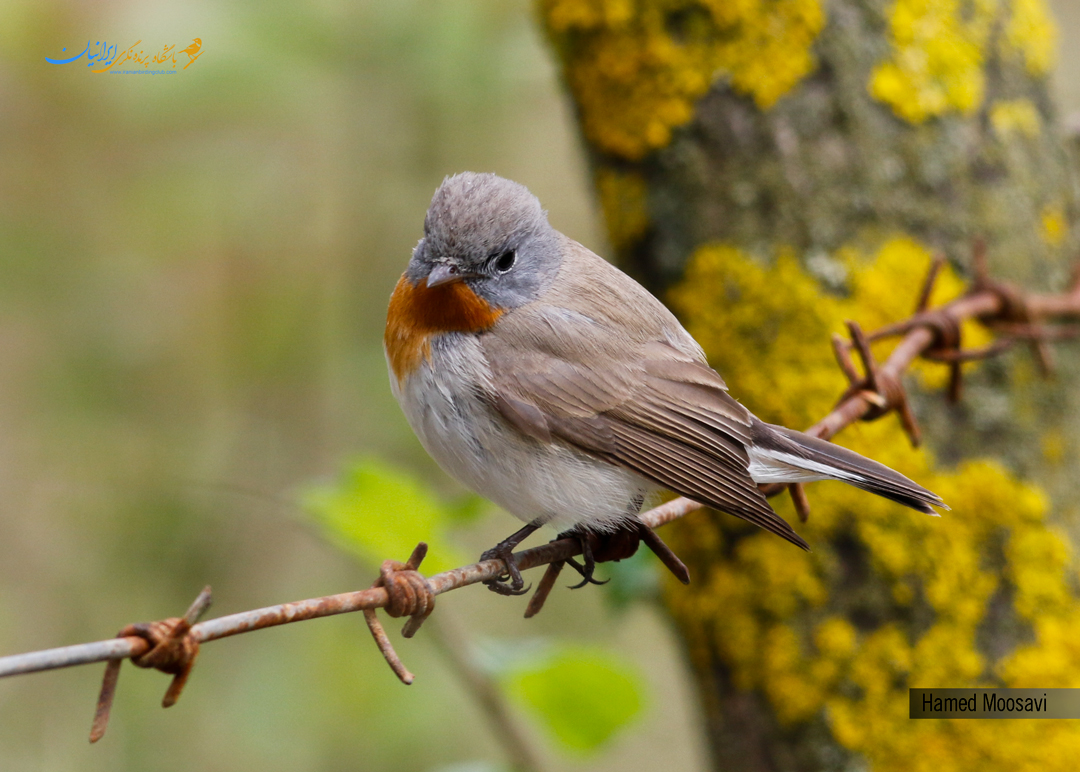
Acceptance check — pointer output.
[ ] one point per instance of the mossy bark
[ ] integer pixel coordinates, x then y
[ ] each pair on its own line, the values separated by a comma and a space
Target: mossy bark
867, 121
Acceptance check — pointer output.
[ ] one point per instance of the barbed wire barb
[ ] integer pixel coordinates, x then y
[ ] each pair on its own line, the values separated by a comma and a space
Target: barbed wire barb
169, 647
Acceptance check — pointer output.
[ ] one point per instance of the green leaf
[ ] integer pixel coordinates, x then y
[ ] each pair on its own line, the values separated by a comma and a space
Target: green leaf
378, 512
581, 695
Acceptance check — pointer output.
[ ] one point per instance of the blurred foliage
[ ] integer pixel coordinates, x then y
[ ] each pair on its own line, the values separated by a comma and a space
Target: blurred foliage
471, 766
371, 496
194, 273
582, 696
635, 579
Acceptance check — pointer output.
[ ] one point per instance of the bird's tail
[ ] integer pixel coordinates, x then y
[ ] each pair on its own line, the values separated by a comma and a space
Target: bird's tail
780, 455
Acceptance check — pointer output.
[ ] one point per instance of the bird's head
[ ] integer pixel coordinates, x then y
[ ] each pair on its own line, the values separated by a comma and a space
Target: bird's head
491, 234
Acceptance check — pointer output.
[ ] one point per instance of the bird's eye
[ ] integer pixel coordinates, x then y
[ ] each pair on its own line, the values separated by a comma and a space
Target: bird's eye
505, 261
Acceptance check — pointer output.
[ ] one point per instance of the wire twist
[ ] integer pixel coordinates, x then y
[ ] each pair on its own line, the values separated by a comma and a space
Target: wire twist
170, 648
409, 594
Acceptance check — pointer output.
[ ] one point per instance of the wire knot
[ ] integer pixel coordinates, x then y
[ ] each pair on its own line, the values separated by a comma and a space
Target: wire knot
880, 388
946, 329
1016, 320
1014, 304
892, 391
172, 649
408, 594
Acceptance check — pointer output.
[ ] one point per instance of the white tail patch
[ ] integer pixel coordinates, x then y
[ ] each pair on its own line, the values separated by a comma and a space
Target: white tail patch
774, 466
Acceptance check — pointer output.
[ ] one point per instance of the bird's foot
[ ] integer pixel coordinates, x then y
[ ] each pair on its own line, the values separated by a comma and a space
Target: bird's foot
600, 548
586, 540
620, 545
510, 582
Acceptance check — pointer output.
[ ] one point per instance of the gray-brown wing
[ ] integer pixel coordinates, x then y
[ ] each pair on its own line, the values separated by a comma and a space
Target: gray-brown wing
646, 407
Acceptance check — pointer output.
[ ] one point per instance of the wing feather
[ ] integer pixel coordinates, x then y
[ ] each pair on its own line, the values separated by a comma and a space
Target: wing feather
643, 404
692, 474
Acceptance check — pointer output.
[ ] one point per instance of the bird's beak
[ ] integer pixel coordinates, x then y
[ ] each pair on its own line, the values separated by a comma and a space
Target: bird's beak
443, 274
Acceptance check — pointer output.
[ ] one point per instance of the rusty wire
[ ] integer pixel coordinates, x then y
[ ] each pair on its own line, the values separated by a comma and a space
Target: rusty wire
172, 645
934, 334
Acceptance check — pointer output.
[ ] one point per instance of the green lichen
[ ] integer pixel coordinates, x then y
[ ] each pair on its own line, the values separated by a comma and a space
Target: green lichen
637, 67
794, 626
939, 50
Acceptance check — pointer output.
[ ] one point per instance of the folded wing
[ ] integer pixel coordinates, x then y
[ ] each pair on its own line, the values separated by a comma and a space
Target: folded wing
647, 406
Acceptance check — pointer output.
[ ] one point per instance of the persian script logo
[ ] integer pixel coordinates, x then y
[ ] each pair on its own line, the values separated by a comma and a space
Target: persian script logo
104, 58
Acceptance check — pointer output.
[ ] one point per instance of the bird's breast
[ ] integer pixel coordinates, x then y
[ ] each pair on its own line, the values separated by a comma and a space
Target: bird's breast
418, 312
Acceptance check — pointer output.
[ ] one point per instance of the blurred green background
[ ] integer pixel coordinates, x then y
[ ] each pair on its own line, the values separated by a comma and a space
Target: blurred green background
194, 272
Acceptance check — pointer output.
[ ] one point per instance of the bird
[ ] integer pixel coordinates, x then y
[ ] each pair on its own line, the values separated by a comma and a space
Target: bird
548, 381
192, 51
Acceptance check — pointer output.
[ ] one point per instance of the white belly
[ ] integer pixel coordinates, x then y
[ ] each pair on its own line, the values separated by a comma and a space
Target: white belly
553, 482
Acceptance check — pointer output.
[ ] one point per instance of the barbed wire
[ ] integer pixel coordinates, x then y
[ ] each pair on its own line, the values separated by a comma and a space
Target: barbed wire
172, 645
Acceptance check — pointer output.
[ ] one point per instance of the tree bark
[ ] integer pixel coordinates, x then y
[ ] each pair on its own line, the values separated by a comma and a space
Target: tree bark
770, 168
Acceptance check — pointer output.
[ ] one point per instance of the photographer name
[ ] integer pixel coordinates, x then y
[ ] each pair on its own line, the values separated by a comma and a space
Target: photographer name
991, 702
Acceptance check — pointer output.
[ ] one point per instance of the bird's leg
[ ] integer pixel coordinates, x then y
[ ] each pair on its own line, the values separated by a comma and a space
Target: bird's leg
504, 551
584, 538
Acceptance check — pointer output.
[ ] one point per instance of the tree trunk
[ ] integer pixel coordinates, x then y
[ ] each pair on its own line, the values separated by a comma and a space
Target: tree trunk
771, 168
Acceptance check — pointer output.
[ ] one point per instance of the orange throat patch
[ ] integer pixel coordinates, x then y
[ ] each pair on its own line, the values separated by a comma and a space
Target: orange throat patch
418, 312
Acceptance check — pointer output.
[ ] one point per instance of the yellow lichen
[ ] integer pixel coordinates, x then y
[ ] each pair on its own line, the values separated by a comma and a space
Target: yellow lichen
1053, 447
1015, 117
936, 61
589, 14
637, 67
623, 199
1030, 32
1054, 226
787, 318
776, 616
939, 51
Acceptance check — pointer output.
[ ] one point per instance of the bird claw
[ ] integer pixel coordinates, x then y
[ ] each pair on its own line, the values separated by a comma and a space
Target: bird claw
589, 568
586, 575
510, 582
501, 587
